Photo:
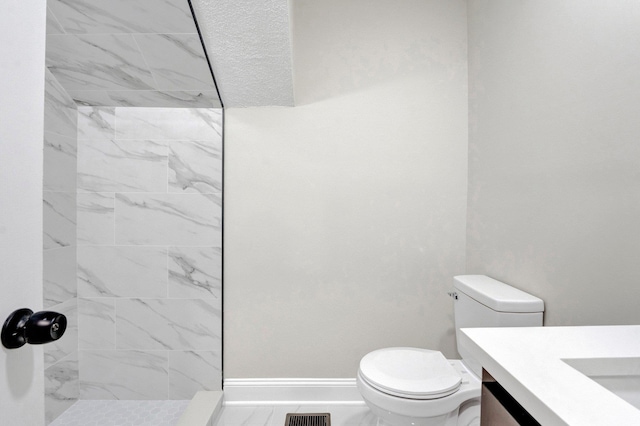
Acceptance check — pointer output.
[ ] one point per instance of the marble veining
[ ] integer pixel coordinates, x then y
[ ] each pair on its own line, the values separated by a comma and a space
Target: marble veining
194, 124
53, 26
108, 374
192, 371
190, 324
149, 252
167, 219
122, 166
97, 61
96, 323
60, 115
105, 271
59, 219
60, 156
195, 166
59, 289
96, 122
143, 53
195, 272
61, 386
147, 98
123, 16
59, 275
188, 69
95, 217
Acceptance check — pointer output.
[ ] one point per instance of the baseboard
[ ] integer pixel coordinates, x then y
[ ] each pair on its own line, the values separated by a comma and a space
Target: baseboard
291, 391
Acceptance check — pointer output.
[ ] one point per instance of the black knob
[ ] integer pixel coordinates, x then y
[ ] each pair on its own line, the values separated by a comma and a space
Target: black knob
44, 327
23, 326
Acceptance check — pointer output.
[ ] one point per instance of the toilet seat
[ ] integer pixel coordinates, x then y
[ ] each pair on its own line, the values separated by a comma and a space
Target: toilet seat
412, 373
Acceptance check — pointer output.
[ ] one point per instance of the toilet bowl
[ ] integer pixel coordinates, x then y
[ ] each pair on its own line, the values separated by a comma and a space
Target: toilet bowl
406, 386
419, 387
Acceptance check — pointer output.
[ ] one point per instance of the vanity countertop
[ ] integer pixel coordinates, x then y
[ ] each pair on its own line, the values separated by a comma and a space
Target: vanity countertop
528, 363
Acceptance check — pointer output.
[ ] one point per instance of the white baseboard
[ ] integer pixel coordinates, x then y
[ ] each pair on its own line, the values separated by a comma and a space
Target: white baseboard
291, 391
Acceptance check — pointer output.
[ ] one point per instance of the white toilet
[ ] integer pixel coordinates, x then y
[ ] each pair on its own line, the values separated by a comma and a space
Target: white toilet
420, 387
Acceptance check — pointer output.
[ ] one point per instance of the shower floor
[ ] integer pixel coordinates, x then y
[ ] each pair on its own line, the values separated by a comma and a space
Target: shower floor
274, 415
122, 413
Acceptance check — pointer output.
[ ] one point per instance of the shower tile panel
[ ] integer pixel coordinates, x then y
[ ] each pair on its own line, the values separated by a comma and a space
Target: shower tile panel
189, 324
60, 116
98, 99
95, 218
59, 219
148, 98
97, 62
176, 61
59, 275
123, 16
96, 323
143, 53
53, 26
59, 241
195, 166
123, 374
167, 219
96, 122
105, 271
58, 349
194, 124
60, 157
60, 386
193, 371
122, 166
195, 272
149, 250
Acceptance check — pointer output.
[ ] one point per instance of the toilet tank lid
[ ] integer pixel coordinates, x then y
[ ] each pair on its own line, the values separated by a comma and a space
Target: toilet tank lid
496, 294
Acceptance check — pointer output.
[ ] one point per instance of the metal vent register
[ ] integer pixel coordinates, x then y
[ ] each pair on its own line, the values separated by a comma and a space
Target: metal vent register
315, 419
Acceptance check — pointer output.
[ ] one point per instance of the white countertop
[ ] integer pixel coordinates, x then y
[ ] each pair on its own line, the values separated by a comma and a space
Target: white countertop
528, 363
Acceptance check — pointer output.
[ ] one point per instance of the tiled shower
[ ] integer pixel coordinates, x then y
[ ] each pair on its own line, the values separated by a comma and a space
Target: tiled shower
132, 204
132, 251
149, 252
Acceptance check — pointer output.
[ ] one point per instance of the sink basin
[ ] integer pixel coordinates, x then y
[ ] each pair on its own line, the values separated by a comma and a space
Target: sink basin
618, 375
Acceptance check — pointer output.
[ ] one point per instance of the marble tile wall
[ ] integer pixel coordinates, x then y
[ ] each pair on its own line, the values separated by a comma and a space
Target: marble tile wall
59, 241
149, 250
145, 53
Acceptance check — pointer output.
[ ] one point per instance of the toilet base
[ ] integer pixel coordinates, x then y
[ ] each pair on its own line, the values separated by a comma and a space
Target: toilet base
387, 418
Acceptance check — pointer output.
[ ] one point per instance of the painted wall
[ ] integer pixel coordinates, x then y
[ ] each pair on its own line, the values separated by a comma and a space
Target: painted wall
149, 252
59, 244
345, 215
22, 47
554, 158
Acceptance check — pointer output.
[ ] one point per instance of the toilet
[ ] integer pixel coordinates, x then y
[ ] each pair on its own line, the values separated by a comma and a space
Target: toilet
406, 386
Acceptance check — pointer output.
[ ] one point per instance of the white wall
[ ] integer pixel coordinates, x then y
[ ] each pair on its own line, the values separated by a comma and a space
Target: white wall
554, 196
22, 47
345, 216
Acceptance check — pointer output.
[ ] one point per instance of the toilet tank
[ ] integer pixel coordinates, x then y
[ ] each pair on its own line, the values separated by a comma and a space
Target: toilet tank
484, 302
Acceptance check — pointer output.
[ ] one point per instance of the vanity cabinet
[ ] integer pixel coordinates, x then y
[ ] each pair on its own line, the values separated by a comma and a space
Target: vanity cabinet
498, 408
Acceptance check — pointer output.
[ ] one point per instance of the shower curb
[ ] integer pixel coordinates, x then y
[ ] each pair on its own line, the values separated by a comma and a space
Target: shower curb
202, 410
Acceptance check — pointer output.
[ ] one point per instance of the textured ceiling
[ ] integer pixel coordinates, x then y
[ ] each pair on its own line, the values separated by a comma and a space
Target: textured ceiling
248, 42
128, 53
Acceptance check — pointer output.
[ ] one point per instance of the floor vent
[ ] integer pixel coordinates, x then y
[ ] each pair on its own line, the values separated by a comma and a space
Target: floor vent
306, 419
